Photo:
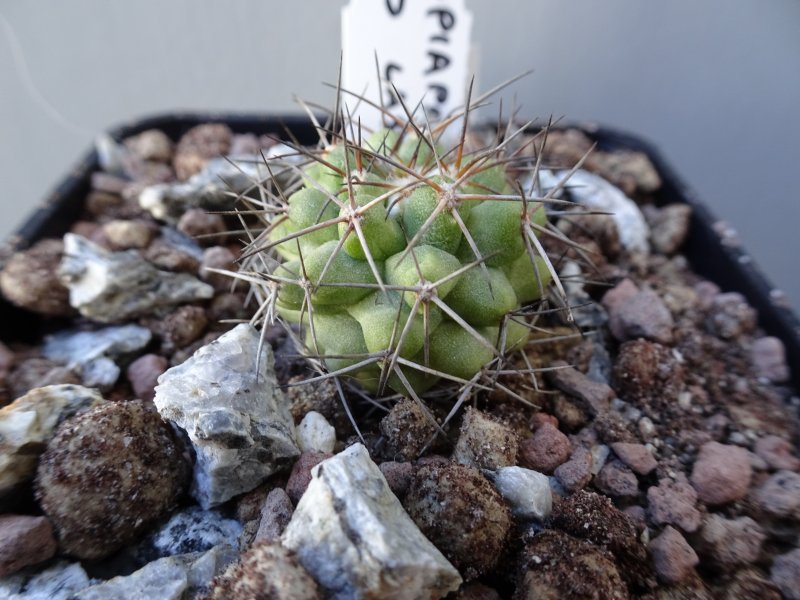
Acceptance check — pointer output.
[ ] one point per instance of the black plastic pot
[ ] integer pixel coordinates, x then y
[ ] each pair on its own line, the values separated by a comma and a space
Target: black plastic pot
710, 254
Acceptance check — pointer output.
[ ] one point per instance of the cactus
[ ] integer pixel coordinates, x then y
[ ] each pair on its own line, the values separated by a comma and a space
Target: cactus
403, 262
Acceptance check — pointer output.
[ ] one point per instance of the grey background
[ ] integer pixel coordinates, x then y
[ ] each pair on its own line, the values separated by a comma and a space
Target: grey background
715, 84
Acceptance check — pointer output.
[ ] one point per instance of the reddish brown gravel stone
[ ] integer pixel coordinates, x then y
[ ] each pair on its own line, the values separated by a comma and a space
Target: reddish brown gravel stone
729, 543
777, 452
617, 480
24, 541
198, 145
593, 396
576, 472
276, 512
722, 473
635, 456
546, 450
207, 228
785, 574
779, 496
218, 257
300, 476
143, 374
673, 503
673, 557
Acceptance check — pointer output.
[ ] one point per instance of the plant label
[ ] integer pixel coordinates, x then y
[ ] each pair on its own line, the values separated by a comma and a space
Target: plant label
405, 52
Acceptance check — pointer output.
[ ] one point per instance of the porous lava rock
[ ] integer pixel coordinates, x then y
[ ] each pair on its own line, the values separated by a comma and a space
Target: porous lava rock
461, 513
107, 475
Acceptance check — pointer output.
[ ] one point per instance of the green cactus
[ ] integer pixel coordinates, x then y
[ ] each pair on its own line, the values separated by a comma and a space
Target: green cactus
403, 262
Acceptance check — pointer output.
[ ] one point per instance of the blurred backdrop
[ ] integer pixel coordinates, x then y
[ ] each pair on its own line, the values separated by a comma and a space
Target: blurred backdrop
715, 84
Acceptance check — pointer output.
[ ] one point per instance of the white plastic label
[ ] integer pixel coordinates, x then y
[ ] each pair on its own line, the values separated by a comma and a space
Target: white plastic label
422, 49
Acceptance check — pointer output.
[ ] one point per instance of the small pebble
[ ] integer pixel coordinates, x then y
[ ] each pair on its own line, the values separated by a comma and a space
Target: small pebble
266, 570
577, 471
197, 145
485, 443
24, 541
207, 228
168, 258
669, 228
151, 144
779, 495
673, 557
300, 476
276, 512
777, 452
731, 542
143, 374
721, 473
673, 503
408, 427
315, 434
645, 316
731, 316
785, 574
126, 234
218, 257
593, 396
617, 480
635, 456
546, 450
29, 279
769, 359
527, 492
182, 326
613, 300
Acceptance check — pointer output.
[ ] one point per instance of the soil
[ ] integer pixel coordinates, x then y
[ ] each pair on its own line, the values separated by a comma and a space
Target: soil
669, 429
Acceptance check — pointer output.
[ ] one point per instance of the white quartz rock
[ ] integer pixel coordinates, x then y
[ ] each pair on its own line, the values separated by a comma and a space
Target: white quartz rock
209, 189
194, 530
28, 423
95, 352
236, 416
58, 582
116, 286
596, 193
315, 434
527, 492
171, 578
351, 533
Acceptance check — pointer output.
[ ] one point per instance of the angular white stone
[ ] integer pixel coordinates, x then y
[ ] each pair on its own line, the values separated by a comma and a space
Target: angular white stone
116, 286
236, 416
58, 582
210, 189
28, 423
595, 192
194, 530
170, 578
95, 352
351, 533
315, 434
527, 492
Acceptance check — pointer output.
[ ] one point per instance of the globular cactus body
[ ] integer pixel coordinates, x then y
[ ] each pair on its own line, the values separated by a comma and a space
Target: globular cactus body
404, 263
